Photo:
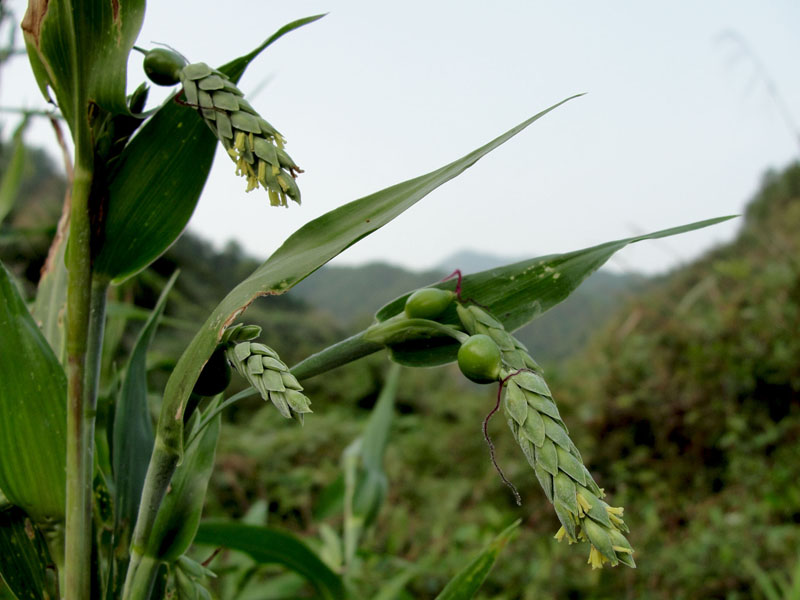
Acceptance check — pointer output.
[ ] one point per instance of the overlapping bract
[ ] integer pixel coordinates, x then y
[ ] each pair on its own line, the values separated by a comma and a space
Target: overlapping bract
534, 419
261, 366
252, 143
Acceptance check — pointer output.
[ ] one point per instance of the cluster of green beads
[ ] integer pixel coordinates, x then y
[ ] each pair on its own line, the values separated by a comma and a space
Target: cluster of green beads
488, 353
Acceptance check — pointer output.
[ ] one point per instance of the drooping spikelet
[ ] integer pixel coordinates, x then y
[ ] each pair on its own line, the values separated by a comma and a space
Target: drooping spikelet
252, 143
261, 366
534, 419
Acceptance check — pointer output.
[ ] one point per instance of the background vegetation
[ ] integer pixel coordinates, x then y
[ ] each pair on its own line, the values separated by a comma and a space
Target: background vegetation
685, 403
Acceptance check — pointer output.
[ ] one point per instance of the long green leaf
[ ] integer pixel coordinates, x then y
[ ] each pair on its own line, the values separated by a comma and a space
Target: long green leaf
516, 294
303, 253
133, 437
23, 555
271, 546
51, 294
392, 589
162, 172
12, 177
33, 392
379, 424
366, 483
467, 582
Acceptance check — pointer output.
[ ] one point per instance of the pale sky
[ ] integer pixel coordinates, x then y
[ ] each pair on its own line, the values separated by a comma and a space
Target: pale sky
676, 126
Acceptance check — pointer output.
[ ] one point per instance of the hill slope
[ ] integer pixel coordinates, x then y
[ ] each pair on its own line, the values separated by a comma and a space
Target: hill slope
692, 400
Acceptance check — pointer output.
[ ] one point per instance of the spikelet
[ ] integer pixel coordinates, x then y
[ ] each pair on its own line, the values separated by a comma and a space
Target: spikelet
252, 143
261, 366
537, 426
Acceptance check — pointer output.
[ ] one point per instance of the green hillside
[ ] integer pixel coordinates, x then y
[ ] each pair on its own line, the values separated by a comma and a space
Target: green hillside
683, 394
690, 406
686, 406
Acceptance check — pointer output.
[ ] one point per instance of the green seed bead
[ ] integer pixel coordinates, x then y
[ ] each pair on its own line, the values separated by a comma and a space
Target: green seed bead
163, 67
428, 303
479, 359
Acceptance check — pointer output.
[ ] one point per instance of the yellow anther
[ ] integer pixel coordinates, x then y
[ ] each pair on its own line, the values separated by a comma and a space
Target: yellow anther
596, 559
238, 143
583, 504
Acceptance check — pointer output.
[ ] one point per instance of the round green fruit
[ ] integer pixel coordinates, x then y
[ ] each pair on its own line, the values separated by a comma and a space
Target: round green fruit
479, 359
215, 376
163, 67
428, 303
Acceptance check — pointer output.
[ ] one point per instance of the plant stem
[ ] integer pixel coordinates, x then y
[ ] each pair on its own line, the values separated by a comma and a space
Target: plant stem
78, 523
140, 573
86, 302
140, 586
81, 546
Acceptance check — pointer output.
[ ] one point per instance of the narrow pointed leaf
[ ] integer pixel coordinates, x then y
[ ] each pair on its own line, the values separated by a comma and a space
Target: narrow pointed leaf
33, 417
162, 172
520, 292
12, 176
467, 582
393, 589
51, 296
133, 437
271, 546
304, 252
376, 433
23, 555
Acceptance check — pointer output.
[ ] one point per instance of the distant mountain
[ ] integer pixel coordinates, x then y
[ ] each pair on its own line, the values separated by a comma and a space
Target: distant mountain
470, 261
353, 294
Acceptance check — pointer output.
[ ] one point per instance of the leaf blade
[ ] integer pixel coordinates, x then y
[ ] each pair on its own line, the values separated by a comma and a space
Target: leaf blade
23, 555
304, 252
271, 546
33, 392
12, 176
467, 582
133, 437
520, 292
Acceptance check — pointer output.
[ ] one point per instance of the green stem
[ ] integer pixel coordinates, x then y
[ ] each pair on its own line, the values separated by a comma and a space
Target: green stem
79, 512
78, 518
140, 586
163, 463
339, 354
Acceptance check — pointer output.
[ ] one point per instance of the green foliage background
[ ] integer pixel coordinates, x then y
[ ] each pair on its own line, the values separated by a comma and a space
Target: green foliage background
685, 403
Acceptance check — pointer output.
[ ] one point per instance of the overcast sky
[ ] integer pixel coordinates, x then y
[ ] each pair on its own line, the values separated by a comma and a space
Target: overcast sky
677, 125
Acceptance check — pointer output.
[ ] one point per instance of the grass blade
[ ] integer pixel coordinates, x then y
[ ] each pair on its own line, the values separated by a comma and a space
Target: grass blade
467, 582
33, 391
271, 546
